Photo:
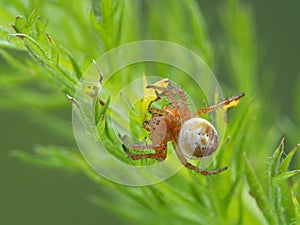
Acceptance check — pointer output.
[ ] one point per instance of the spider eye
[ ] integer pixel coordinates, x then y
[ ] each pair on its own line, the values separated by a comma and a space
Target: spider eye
197, 138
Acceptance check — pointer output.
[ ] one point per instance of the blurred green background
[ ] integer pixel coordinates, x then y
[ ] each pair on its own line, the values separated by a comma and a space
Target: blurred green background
31, 195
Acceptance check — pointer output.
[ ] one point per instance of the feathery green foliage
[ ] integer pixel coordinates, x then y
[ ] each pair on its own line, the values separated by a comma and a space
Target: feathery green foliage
250, 192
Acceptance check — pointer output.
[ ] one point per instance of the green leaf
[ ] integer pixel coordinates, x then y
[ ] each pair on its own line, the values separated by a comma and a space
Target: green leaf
287, 160
31, 20
54, 56
275, 159
105, 18
35, 48
31, 32
49, 156
296, 209
186, 198
4, 40
98, 27
74, 62
277, 180
100, 108
201, 33
258, 193
20, 25
62, 75
40, 28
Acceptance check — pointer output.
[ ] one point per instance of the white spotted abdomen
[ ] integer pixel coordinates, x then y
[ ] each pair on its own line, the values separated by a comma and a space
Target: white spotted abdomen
197, 138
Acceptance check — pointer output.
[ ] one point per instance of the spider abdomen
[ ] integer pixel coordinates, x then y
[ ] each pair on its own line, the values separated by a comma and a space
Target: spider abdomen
197, 138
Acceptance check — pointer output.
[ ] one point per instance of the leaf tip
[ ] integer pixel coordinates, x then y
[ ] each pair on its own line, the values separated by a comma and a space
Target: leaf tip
49, 38
281, 145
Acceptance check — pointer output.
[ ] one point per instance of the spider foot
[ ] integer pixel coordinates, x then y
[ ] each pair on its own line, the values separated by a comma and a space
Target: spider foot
159, 156
227, 104
204, 172
158, 88
146, 125
160, 150
137, 146
176, 96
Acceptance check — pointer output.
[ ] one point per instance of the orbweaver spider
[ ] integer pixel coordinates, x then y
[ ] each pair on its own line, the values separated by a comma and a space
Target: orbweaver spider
192, 137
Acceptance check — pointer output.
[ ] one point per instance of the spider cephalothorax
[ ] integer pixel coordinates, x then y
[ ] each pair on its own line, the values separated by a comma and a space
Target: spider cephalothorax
192, 137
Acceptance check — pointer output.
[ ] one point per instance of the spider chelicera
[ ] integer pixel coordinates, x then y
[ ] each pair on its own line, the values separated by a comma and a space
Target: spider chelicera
191, 136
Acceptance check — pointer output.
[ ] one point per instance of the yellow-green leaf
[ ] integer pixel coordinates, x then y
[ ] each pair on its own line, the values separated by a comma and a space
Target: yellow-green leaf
283, 176
296, 208
286, 161
258, 193
275, 159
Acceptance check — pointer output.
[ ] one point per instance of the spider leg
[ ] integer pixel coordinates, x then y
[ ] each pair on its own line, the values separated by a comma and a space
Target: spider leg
182, 100
158, 155
192, 167
164, 92
159, 111
225, 103
146, 125
137, 146
158, 97
160, 150
180, 107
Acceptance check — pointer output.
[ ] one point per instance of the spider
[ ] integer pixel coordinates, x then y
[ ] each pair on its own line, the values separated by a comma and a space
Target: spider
191, 136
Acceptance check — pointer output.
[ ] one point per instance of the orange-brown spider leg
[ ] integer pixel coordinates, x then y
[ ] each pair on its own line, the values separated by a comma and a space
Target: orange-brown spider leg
159, 111
159, 155
137, 146
192, 167
220, 104
157, 98
160, 150
170, 94
182, 100
146, 125
167, 93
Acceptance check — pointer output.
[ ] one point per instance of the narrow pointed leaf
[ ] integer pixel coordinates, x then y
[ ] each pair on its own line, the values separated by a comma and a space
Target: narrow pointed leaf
49, 156
275, 159
73, 61
283, 176
287, 160
53, 52
100, 109
258, 193
59, 73
34, 47
32, 19
98, 27
20, 25
296, 208
40, 28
